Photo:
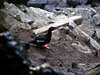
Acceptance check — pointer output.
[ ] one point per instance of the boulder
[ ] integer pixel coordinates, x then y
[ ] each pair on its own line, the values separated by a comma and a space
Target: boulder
17, 13
96, 19
41, 17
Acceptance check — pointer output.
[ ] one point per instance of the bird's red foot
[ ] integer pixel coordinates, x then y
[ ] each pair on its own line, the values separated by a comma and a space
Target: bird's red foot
46, 46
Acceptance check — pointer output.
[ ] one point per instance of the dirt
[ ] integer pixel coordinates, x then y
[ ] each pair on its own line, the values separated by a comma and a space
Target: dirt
60, 54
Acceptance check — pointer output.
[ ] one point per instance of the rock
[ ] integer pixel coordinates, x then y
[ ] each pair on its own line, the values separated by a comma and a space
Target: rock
41, 17
89, 41
69, 73
37, 3
69, 38
2, 22
56, 35
83, 6
96, 19
81, 48
1, 3
53, 2
42, 13
49, 7
74, 3
97, 9
71, 24
95, 3
98, 33
17, 13
57, 3
17, 2
12, 24
62, 3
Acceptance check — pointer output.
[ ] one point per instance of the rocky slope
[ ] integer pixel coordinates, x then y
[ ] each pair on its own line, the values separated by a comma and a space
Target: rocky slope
67, 45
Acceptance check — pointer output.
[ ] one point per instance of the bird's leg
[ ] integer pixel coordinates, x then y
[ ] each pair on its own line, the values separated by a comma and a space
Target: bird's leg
46, 46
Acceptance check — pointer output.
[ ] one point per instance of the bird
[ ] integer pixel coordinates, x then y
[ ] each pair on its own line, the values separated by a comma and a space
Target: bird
43, 40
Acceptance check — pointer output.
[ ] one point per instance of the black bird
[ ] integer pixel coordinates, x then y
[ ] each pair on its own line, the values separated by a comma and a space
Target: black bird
43, 40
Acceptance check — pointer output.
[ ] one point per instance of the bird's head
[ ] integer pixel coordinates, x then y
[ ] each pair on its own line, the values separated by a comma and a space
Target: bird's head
52, 28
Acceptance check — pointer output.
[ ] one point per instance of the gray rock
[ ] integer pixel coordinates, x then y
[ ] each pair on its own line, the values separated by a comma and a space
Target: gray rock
96, 19
74, 3
56, 35
69, 73
37, 1
17, 13
54, 2
49, 7
12, 24
83, 6
97, 10
98, 33
62, 3
41, 17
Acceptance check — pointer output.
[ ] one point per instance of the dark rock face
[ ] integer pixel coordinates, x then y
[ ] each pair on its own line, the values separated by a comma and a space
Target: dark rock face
37, 3
16, 2
1, 3
72, 3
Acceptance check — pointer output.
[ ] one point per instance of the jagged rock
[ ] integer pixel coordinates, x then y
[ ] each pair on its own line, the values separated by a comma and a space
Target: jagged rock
40, 17
87, 24
42, 13
89, 41
12, 24
17, 13
96, 19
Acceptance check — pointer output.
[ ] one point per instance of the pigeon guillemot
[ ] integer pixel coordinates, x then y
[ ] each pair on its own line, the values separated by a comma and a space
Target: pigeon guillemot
43, 40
